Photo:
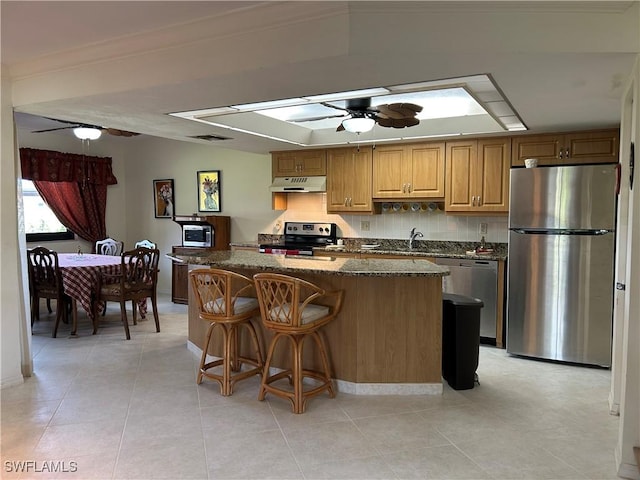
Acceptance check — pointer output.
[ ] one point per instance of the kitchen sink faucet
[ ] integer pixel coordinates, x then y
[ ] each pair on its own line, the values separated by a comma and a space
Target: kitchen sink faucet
412, 236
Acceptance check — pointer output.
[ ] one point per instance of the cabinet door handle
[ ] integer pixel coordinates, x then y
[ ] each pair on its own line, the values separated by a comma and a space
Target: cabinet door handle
473, 200
479, 200
345, 201
350, 202
566, 153
408, 188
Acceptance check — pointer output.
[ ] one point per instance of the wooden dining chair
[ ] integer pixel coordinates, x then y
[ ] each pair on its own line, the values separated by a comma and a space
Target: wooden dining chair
146, 243
136, 281
45, 281
109, 246
112, 247
224, 300
288, 309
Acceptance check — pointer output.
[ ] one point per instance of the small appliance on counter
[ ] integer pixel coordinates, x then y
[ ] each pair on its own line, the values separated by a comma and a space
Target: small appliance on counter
197, 235
300, 238
204, 231
196, 241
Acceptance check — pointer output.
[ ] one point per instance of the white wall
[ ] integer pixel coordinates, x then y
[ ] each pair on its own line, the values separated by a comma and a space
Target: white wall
14, 341
627, 368
245, 178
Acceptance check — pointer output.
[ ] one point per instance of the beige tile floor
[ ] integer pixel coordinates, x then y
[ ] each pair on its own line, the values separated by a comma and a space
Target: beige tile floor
114, 409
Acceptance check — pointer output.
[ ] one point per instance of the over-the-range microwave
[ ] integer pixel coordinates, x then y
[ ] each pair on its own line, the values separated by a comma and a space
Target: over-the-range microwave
197, 235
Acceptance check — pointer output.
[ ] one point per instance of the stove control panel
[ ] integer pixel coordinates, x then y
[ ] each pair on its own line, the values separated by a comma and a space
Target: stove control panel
310, 229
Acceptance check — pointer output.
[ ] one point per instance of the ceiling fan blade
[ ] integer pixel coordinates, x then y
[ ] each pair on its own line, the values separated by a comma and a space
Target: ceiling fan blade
120, 133
397, 122
54, 129
313, 119
399, 110
334, 106
68, 122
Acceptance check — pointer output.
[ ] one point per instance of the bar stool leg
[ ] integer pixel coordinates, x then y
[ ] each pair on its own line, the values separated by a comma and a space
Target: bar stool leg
205, 348
227, 361
325, 362
297, 373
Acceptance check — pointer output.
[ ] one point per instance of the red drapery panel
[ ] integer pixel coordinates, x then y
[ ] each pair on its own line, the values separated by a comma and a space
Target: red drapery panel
74, 186
80, 208
50, 166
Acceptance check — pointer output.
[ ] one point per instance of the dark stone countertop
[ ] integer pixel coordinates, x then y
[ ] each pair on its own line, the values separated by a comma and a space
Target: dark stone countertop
324, 265
422, 248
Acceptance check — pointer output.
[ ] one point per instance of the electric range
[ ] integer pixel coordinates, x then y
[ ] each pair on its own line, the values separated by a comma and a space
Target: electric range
300, 238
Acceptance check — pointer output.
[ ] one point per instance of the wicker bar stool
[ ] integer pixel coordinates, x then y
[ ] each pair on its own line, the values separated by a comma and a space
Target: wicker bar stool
222, 301
286, 309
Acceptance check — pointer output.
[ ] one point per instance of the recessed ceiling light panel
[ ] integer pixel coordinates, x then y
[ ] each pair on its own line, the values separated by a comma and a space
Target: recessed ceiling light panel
463, 105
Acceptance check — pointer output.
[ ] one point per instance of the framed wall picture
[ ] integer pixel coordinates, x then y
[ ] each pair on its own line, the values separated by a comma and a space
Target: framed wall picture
209, 191
163, 198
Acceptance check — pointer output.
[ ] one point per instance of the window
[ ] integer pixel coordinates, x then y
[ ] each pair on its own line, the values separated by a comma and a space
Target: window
41, 224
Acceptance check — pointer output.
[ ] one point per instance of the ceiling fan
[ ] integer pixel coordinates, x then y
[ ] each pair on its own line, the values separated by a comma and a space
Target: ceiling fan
361, 116
73, 125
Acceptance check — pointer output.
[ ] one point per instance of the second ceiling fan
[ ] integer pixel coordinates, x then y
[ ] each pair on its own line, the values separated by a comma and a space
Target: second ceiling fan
361, 116
73, 125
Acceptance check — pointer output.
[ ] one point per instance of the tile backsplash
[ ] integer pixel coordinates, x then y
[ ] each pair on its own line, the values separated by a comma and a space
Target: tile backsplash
434, 225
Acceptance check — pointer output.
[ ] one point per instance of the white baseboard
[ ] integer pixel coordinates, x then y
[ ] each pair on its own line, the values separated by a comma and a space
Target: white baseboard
626, 470
614, 408
11, 381
365, 388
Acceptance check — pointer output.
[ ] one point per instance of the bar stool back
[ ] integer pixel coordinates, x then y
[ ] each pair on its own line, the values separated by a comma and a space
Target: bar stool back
287, 309
223, 299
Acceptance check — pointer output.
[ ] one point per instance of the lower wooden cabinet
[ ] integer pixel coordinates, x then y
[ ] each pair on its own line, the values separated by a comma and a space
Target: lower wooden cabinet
180, 274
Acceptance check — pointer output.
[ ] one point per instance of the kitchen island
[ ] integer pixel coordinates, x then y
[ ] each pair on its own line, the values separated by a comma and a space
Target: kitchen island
388, 337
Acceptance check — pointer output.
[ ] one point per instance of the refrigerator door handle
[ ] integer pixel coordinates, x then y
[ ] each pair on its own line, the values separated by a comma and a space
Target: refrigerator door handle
551, 231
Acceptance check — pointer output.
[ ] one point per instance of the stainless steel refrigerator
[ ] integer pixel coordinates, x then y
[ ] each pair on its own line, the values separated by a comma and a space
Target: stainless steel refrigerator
561, 263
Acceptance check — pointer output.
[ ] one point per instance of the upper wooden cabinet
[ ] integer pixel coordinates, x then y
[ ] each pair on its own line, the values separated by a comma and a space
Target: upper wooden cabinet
409, 171
349, 180
299, 163
477, 176
600, 146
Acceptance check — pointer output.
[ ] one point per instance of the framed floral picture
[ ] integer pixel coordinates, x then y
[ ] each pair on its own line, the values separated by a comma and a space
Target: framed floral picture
209, 191
163, 198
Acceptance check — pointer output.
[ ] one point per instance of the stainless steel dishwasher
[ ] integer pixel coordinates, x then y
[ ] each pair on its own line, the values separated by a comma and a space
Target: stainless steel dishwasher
477, 279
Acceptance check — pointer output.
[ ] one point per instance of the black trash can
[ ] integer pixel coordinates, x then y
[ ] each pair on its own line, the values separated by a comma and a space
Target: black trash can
460, 339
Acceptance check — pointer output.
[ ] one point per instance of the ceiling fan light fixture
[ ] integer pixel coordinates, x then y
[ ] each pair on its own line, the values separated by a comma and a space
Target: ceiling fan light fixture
87, 133
358, 124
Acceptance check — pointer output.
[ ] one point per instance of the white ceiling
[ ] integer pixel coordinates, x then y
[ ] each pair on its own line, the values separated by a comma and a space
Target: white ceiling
126, 65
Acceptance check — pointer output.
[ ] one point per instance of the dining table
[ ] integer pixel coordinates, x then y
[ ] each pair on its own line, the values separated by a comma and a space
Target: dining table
80, 276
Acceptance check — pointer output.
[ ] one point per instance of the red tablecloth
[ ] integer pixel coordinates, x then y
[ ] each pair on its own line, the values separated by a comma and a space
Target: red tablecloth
80, 275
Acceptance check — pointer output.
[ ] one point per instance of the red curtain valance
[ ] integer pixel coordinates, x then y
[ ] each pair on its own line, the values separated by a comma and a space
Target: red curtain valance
50, 166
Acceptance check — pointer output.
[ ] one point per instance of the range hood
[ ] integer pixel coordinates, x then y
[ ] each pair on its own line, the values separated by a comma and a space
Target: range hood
299, 184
